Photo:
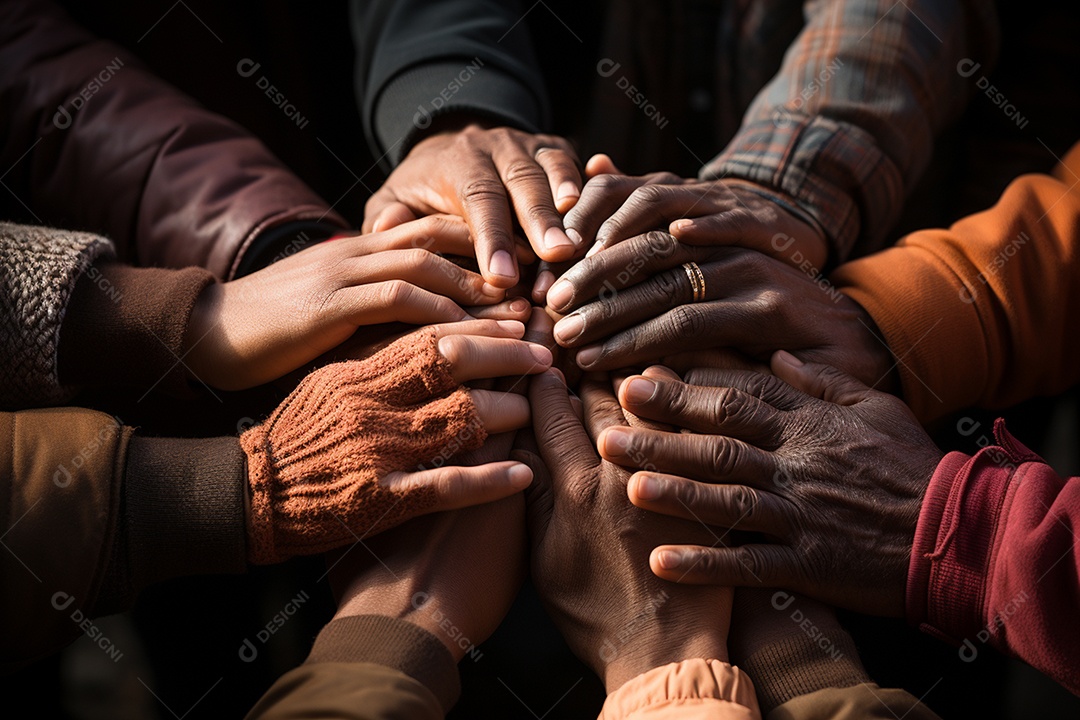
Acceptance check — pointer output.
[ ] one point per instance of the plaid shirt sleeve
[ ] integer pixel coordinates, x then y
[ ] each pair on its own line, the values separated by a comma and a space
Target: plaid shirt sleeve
847, 126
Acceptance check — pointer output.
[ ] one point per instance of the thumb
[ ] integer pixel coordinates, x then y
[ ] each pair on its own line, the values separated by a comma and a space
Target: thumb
817, 380
394, 214
601, 164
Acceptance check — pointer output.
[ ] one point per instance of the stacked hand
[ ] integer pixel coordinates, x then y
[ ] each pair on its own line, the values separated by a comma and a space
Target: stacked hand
831, 472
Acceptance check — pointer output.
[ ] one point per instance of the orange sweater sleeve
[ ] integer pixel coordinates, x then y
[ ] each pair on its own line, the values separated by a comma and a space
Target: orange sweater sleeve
984, 313
693, 689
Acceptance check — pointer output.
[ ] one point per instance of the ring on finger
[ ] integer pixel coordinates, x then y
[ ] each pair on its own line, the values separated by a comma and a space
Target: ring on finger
697, 280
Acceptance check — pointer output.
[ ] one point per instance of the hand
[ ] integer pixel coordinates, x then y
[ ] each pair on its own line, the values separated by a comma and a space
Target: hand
636, 299
590, 548
614, 208
832, 473
252, 330
362, 446
455, 574
487, 175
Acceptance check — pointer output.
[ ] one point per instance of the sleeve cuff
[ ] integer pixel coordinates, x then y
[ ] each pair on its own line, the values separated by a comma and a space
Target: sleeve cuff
125, 326
410, 102
182, 513
282, 241
834, 171
711, 685
956, 536
393, 643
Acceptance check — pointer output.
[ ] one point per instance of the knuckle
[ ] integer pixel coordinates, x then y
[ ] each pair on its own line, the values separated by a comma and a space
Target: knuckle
649, 194
606, 183
748, 565
667, 288
687, 322
743, 502
660, 244
456, 349
483, 189
723, 460
522, 172
397, 292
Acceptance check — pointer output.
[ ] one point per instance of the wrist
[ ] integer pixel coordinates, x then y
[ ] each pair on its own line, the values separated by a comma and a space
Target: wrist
662, 646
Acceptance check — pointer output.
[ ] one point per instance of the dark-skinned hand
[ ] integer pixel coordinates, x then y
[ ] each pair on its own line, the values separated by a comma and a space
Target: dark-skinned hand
633, 305
490, 176
590, 547
615, 207
831, 472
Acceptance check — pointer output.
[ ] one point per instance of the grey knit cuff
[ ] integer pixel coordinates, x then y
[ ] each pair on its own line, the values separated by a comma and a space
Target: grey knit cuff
38, 272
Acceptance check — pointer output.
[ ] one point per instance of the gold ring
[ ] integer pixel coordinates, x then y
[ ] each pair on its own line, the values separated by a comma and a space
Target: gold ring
697, 280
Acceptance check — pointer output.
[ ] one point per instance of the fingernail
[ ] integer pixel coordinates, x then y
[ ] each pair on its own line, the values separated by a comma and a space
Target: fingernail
560, 294
639, 390
514, 326
575, 237
555, 238
648, 487
559, 374
569, 327
788, 359
520, 305
680, 225
588, 356
669, 559
502, 264
544, 279
597, 247
540, 353
491, 290
567, 190
519, 475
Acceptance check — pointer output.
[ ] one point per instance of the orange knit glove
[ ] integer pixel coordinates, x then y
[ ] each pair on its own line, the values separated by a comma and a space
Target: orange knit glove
314, 466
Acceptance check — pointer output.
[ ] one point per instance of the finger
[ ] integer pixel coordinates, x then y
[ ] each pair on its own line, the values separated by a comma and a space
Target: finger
564, 179
708, 458
820, 381
601, 408
530, 195
714, 410
516, 309
601, 196
397, 301
394, 214
631, 306
545, 278
500, 412
713, 358
649, 207
744, 566
601, 164
473, 357
604, 275
737, 507
565, 447
457, 487
427, 270
487, 328
539, 329
379, 201
437, 233
486, 208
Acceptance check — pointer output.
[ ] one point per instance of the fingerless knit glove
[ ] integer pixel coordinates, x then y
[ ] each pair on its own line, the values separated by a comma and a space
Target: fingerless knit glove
314, 465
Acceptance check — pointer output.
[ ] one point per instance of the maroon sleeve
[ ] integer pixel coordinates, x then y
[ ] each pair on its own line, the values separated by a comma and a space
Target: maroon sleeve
995, 559
91, 139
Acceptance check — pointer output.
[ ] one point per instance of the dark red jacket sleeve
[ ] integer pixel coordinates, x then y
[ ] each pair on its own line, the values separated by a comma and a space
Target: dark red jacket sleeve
90, 139
995, 559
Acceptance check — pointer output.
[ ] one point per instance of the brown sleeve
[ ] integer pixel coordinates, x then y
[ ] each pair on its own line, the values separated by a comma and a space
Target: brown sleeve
983, 313
92, 514
125, 326
367, 667
181, 513
60, 475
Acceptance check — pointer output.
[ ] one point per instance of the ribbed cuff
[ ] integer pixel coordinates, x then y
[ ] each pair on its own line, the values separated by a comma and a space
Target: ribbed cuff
181, 513
125, 326
283, 241
411, 101
394, 643
710, 685
956, 537
791, 647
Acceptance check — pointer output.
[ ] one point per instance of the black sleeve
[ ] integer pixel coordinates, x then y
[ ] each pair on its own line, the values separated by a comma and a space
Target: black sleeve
420, 59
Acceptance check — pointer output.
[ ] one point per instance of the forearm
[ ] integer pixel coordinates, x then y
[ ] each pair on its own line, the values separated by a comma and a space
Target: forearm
995, 560
418, 61
847, 126
982, 313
